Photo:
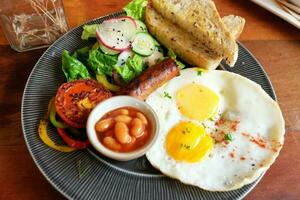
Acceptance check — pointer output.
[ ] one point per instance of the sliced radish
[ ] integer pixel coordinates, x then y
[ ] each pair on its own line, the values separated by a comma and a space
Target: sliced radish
108, 50
116, 33
123, 57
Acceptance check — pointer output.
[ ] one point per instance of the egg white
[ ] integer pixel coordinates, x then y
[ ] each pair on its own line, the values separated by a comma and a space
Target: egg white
240, 98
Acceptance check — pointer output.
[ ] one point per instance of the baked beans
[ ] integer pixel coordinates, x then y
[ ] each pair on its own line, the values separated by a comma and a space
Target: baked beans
124, 129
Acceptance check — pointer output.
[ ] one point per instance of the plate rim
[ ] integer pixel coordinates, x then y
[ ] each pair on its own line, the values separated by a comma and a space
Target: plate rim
54, 185
263, 69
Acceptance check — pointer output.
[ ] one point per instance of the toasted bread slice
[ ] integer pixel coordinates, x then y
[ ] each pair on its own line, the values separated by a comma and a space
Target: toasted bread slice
181, 42
201, 19
235, 24
186, 46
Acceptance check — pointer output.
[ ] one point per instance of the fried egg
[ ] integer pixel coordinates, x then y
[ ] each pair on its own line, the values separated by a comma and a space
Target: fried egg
219, 130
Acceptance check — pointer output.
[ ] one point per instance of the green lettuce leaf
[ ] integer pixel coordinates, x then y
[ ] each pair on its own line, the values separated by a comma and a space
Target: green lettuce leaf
172, 54
133, 67
82, 55
125, 73
89, 31
73, 68
136, 64
136, 9
100, 62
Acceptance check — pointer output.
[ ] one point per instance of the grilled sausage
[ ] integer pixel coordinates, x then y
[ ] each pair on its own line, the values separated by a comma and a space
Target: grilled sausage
154, 77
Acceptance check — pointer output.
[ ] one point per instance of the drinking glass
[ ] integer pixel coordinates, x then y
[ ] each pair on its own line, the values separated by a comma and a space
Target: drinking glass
32, 24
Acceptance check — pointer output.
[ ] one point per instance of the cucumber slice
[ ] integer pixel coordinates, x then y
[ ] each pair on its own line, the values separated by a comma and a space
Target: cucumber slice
143, 44
141, 27
108, 51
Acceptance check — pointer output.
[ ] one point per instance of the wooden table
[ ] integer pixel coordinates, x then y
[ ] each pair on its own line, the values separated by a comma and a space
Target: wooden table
274, 42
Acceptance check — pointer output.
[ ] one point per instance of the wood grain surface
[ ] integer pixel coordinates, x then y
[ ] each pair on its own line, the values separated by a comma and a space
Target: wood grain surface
274, 42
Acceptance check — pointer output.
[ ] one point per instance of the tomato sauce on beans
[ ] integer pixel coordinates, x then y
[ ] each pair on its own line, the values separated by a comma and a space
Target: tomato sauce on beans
124, 129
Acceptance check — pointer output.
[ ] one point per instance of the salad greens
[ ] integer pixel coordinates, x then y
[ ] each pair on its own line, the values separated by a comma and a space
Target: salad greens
89, 31
136, 9
228, 137
171, 54
73, 68
101, 63
82, 54
133, 67
95, 62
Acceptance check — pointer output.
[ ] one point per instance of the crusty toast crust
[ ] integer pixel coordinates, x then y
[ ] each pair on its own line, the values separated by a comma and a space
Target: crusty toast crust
182, 43
201, 19
186, 46
235, 24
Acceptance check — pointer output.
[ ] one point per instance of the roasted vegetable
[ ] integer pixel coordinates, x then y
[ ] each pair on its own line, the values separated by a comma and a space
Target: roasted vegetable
75, 100
43, 133
52, 116
103, 80
77, 144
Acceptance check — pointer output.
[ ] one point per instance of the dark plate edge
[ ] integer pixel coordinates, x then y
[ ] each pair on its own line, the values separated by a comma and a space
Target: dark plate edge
263, 69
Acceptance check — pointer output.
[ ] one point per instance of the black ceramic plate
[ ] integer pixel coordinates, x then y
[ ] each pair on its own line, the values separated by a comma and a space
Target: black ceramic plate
88, 175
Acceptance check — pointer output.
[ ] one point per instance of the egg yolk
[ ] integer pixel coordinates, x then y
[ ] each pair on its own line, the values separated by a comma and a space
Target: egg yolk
188, 142
197, 102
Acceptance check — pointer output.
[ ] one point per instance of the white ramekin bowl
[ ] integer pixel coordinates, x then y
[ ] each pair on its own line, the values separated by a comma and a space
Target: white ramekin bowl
114, 103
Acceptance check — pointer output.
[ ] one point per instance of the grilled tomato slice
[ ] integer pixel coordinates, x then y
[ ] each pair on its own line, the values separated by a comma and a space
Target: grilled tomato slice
75, 100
